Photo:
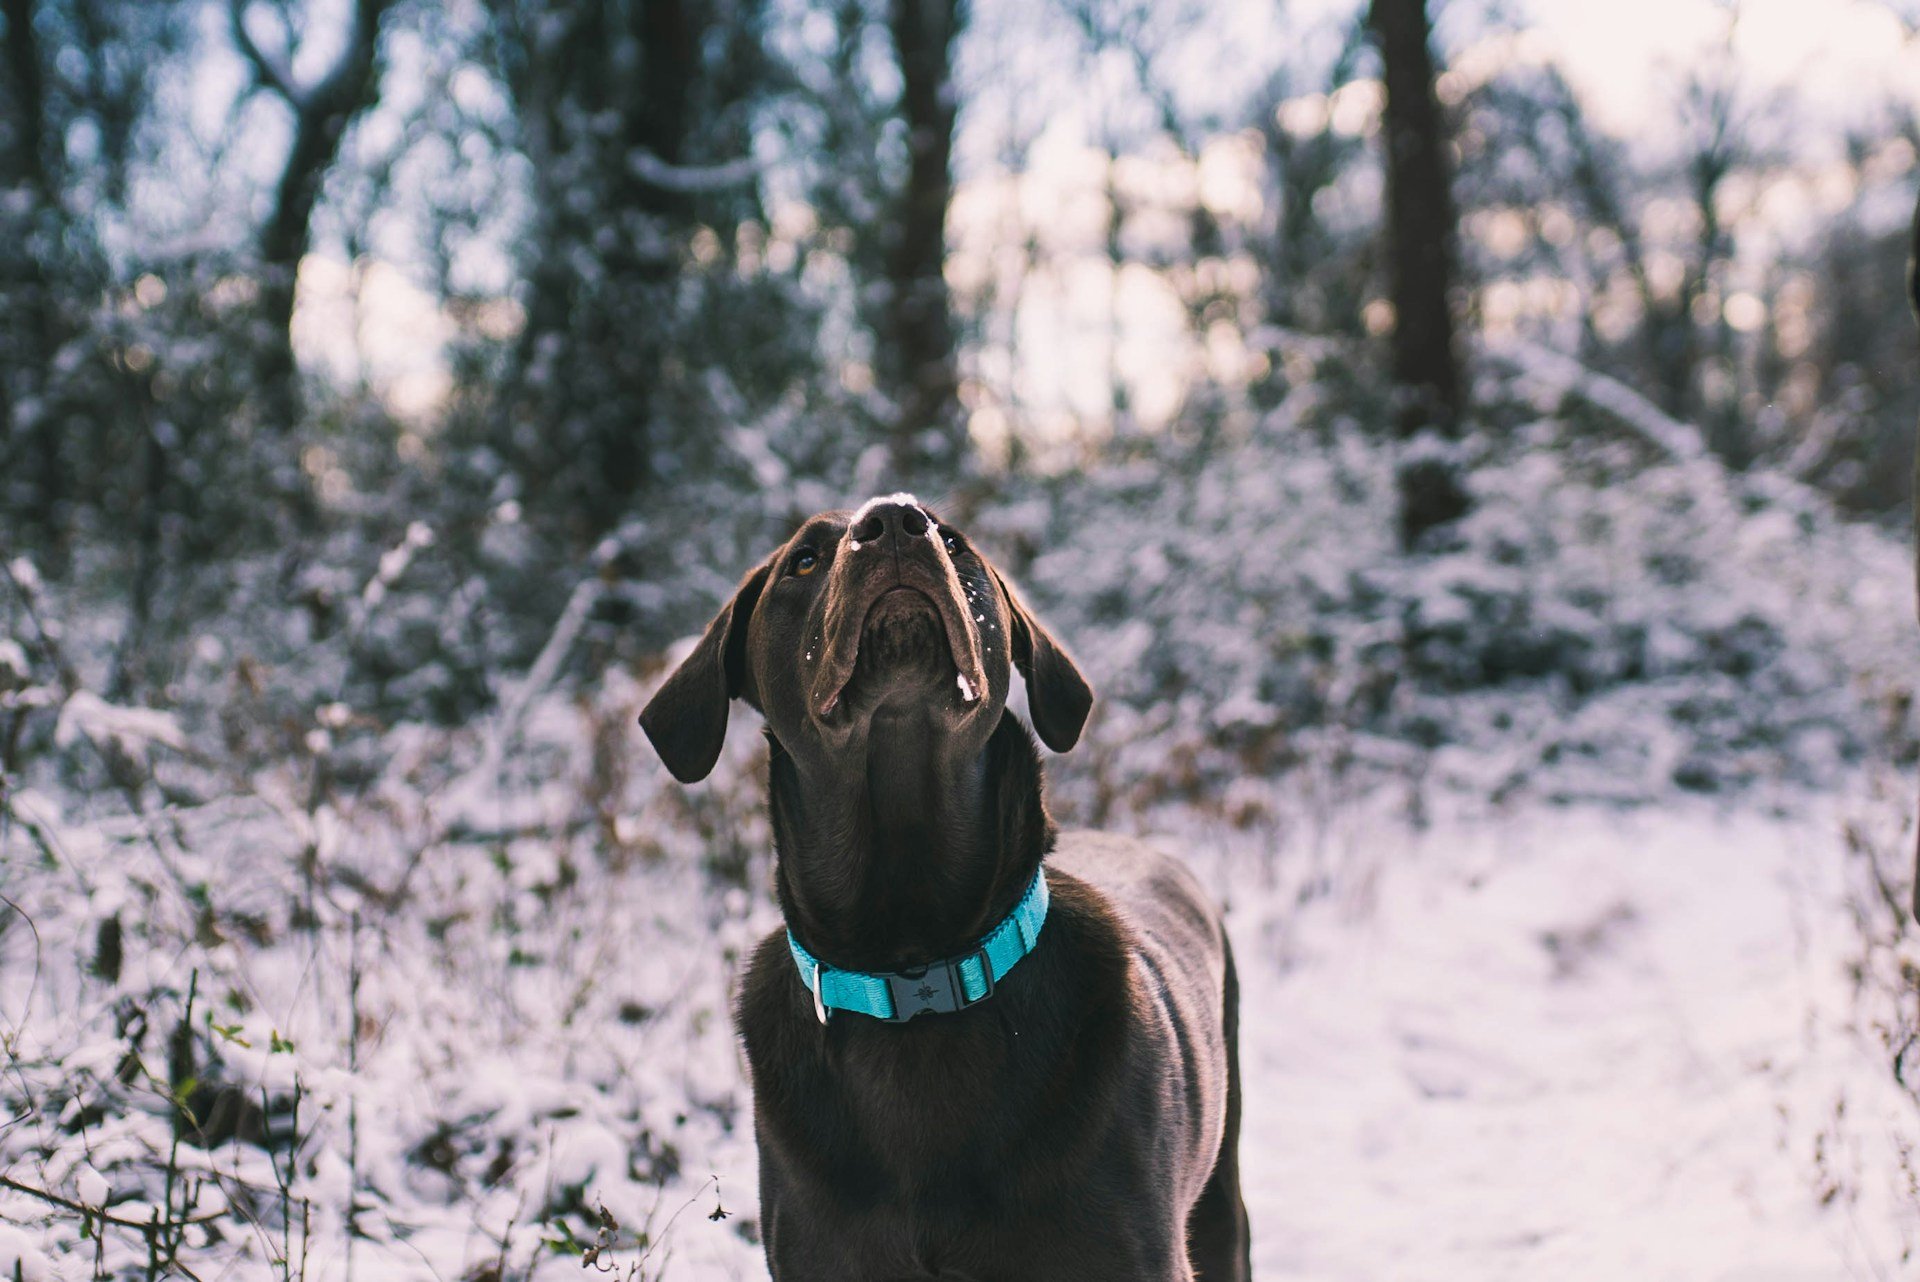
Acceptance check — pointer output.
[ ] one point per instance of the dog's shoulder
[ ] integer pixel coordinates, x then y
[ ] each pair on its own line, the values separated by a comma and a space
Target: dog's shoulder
1154, 892
1167, 919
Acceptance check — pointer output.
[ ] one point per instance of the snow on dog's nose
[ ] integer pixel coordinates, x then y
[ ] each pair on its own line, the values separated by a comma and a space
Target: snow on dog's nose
893, 542
888, 519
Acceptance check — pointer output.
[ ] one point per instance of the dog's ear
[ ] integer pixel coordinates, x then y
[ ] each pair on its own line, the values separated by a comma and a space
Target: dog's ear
687, 717
1058, 697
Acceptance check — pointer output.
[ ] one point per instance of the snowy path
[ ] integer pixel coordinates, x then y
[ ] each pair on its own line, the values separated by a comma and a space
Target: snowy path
1581, 1046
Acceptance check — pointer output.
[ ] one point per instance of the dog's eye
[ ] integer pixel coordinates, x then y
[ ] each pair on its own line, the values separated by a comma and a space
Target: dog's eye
805, 561
953, 544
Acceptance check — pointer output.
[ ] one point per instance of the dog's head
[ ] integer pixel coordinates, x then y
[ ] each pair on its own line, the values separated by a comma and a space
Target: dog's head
886, 611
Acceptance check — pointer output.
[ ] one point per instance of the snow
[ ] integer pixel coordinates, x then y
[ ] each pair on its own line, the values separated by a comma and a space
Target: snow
900, 497
87, 716
21, 1258
656, 172
1564, 376
1542, 856
14, 666
394, 563
92, 1187
1568, 1044
25, 573
1565, 1041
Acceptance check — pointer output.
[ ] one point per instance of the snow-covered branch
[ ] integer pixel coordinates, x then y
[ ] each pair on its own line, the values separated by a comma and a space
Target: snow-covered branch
691, 179
1679, 441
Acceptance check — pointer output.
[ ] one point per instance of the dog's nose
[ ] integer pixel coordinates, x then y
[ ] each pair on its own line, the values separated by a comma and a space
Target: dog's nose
901, 520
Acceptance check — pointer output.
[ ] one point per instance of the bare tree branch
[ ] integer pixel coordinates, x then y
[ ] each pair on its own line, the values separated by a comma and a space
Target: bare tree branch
342, 87
321, 113
97, 1213
1125, 30
269, 72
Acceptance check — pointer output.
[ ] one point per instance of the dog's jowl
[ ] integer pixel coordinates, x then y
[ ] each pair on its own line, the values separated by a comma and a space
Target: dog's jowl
982, 1048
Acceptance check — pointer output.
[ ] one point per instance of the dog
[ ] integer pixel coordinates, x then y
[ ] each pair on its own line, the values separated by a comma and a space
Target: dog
982, 1048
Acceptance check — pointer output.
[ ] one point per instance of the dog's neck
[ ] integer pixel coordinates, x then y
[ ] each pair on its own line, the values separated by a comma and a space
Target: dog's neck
914, 857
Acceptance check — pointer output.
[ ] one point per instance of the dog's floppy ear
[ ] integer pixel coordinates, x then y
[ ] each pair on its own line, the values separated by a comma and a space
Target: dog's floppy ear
687, 717
1058, 697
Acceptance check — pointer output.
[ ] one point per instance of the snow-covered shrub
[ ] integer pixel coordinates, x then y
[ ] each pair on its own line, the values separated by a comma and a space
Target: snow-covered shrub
1609, 620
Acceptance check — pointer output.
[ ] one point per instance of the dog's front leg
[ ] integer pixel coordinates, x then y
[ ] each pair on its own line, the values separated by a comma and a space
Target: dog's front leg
808, 1242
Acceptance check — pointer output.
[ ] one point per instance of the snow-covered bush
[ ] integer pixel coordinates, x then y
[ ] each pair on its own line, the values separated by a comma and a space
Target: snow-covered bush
1608, 621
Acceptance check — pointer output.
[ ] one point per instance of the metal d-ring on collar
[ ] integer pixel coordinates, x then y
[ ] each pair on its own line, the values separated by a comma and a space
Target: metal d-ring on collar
940, 987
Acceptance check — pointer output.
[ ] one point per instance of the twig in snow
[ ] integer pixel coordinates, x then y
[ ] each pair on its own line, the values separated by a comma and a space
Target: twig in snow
393, 563
607, 1230
10, 1042
513, 710
100, 1213
353, 1098
43, 836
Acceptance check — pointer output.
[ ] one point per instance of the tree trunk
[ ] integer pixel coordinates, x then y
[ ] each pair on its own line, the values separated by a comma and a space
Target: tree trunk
671, 55
1913, 295
1420, 221
1420, 266
29, 93
321, 114
917, 343
604, 253
35, 442
658, 121
130, 664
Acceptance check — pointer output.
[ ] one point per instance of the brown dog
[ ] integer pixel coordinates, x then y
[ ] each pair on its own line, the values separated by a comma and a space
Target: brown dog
1069, 1106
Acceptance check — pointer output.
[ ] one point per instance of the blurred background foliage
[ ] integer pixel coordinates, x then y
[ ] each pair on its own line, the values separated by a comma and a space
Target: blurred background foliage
618, 288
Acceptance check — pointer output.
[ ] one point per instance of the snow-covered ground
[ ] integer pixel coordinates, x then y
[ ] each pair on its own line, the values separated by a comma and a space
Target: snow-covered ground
1567, 1042
1576, 1045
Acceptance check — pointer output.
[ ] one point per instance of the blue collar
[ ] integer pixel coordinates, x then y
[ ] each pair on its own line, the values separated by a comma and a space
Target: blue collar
943, 986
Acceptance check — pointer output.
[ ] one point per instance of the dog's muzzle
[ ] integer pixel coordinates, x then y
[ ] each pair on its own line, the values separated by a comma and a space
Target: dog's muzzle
891, 543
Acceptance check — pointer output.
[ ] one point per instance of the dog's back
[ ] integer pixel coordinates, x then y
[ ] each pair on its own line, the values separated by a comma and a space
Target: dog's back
1180, 973
1187, 1002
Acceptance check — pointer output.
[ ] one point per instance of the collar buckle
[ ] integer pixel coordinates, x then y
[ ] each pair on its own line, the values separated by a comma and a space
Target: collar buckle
818, 986
939, 987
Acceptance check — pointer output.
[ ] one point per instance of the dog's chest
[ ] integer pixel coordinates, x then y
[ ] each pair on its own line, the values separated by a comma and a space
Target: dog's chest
934, 1101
